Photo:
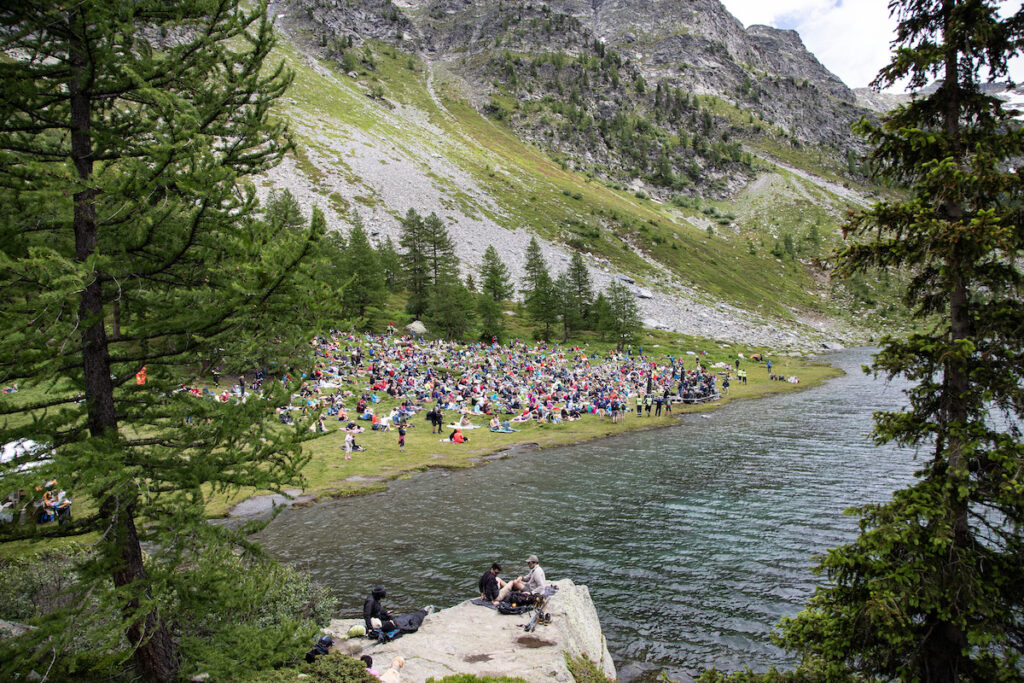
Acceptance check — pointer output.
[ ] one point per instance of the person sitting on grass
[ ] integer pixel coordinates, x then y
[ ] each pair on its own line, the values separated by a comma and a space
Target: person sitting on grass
457, 436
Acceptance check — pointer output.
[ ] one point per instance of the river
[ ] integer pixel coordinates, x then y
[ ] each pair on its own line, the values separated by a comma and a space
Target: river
694, 539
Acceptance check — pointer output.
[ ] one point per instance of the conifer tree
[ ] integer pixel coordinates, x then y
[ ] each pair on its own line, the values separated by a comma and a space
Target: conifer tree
600, 314
126, 133
623, 319
931, 590
495, 279
564, 303
440, 251
416, 263
492, 318
390, 265
365, 286
581, 291
539, 290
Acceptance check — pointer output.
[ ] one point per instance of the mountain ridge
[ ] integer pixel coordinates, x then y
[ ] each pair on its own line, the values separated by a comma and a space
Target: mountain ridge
474, 170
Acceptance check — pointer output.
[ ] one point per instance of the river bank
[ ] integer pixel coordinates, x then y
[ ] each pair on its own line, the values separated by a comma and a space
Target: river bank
328, 475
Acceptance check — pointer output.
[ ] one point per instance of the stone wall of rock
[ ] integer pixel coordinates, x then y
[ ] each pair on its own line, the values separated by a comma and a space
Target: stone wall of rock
471, 639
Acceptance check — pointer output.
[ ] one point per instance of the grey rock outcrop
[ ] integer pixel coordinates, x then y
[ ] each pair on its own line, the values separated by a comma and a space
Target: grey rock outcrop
468, 638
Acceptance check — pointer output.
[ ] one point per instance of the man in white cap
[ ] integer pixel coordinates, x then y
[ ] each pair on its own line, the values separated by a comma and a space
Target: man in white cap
534, 581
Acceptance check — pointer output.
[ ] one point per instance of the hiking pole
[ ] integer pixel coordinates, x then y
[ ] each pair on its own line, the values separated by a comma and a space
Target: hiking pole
538, 610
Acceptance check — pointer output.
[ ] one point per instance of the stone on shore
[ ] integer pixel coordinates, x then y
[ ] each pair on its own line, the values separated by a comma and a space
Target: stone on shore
472, 639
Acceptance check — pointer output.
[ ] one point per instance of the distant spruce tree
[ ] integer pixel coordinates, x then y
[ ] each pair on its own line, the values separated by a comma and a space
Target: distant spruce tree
365, 288
932, 589
126, 134
600, 315
440, 251
581, 290
390, 266
416, 263
538, 289
495, 278
564, 303
623, 322
491, 317
283, 210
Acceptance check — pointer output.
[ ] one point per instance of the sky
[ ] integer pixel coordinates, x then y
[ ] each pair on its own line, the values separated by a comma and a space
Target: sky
850, 37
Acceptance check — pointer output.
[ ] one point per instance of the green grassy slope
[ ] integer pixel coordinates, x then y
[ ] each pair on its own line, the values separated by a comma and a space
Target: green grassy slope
395, 102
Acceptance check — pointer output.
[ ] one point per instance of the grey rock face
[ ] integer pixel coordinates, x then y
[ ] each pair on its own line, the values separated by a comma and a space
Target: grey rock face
468, 638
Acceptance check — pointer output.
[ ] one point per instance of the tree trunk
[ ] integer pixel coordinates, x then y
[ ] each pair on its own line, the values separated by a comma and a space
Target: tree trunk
154, 652
946, 643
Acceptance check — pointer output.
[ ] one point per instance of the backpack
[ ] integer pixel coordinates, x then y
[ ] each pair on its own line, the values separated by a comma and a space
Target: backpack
506, 607
521, 598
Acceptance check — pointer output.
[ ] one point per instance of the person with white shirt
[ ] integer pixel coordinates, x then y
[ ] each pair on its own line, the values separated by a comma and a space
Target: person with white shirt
534, 581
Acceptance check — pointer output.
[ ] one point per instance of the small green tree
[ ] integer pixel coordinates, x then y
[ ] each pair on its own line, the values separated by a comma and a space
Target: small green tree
365, 288
492, 318
453, 310
931, 590
600, 314
581, 290
623, 319
539, 290
440, 251
416, 263
390, 265
495, 279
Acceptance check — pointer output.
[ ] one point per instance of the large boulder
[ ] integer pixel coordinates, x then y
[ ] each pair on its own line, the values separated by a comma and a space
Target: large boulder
468, 638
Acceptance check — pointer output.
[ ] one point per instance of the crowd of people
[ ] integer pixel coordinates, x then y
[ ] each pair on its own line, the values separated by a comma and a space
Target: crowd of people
507, 383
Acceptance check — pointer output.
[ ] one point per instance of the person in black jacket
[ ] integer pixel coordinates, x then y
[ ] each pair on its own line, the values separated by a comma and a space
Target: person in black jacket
321, 647
372, 609
488, 584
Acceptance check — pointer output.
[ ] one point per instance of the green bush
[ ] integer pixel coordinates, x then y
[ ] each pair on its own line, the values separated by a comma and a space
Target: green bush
584, 670
332, 668
470, 678
233, 615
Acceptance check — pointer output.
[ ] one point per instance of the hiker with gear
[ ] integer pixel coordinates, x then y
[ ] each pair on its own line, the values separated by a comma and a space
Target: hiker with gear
382, 624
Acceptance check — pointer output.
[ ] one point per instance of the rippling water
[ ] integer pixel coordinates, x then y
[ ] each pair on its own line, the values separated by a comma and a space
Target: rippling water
694, 540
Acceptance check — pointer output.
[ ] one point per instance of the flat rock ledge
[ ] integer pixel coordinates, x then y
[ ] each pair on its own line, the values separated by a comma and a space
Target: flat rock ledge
471, 639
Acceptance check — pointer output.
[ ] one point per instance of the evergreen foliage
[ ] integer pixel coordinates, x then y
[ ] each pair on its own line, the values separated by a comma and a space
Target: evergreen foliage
538, 289
364, 285
581, 290
415, 263
931, 590
390, 266
495, 279
622, 321
130, 244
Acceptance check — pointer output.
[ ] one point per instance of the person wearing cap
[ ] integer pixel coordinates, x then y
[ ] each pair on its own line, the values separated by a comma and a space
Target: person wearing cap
322, 647
534, 581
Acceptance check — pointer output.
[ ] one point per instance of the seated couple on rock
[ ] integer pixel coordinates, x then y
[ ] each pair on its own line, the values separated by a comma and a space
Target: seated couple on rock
494, 589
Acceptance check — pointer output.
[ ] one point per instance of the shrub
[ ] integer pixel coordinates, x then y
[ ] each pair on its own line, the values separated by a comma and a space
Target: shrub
584, 670
332, 668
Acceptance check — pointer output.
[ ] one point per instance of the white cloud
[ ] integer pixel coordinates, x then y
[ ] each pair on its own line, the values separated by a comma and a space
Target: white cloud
850, 37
